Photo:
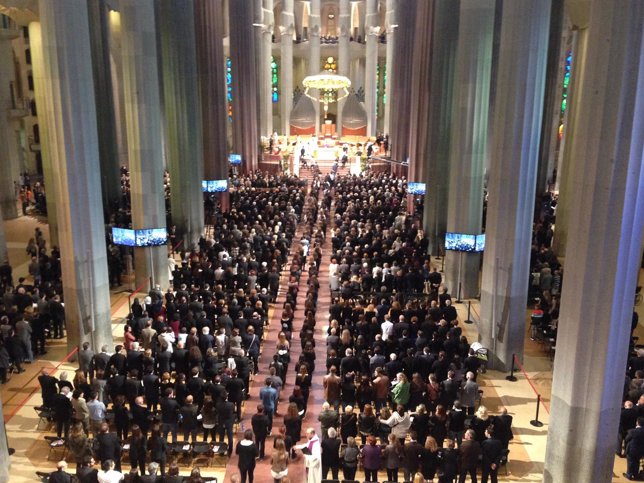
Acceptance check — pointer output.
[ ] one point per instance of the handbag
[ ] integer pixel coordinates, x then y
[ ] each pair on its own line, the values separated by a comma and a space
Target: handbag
278, 475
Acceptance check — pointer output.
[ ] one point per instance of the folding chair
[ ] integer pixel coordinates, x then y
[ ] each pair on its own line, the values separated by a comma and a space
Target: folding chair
201, 451
43, 477
56, 443
44, 415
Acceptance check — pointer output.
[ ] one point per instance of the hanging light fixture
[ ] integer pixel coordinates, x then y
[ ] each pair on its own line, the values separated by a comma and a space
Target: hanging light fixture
328, 83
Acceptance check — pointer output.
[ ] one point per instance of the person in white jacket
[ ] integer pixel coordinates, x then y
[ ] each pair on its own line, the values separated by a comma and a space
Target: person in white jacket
399, 422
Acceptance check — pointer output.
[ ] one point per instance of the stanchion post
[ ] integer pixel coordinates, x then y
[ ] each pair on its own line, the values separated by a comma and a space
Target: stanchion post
469, 319
512, 377
535, 422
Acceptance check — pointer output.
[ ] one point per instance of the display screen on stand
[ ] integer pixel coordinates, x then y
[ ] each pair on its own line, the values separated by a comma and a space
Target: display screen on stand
214, 186
416, 188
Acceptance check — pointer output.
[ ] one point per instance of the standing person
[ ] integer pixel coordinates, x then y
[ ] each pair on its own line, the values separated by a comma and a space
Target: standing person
247, 452
469, 393
260, 424
413, 452
158, 447
86, 361
350, 456
470, 452
312, 457
392, 454
109, 448
63, 411
492, 452
279, 461
634, 443
429, 463
138, 449
371, 459
189, 412
268, 396
331, 454
448, 462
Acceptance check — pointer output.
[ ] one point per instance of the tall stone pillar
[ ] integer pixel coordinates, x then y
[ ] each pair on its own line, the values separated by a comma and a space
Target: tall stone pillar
314, 53
116, 61
521, 78
344, 52
390, 21
4, 255
143, 114
5, 460
182, 116
372, 31
469, 138
286, 67
7, 187
267, 49
212, 81
605, 229
244, 73
552, 104
571, 129
444, 39
42, 88
105, 115
69, 112
400, 80
420, 92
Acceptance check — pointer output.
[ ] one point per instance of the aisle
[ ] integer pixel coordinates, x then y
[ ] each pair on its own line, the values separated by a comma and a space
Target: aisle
296, 467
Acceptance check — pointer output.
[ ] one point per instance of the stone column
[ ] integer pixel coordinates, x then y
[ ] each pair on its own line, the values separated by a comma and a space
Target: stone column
523, 51
116, 61
469, 138
390, 19
5, 460
267, 49
286, 67
314, 54
7, 188
182, 116
4, 255
400, 81
143, 114
605, 229
420, 84
372, 31
42, 88
244, 73
444, 39
105, 115
552, 104
69, 112
344, 53
212, 80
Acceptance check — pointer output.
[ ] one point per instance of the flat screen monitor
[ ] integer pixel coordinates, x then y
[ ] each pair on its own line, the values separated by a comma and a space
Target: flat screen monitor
234, 158
214, 186
480, 243
151, 237
416, 188
123, 236
460, 242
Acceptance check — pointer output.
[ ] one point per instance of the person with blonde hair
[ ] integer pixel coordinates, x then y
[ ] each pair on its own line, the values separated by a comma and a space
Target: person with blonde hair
429, 461
480, 423
279, 461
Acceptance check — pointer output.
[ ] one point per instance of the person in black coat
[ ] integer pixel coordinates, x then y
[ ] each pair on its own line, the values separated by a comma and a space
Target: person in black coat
260, 424
63, 410
138, 449
447, 463
330, 454
121, 418
151, 390
141, 416
246, 452
634, 442
348, 424
158, 448
108, 447
503, 427
48, 386
492, 453
226, 419
190, 424
60, 475
235, 388
169, 415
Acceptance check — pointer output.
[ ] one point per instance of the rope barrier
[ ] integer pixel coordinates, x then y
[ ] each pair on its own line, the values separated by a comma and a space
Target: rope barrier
531, 384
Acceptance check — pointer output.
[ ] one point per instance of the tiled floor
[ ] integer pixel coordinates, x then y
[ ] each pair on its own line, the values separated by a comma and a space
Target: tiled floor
21, 394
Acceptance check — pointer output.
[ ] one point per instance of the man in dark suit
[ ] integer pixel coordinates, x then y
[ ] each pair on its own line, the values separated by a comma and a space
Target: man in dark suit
63, 410
259, 422
413, 452
169, 415
48, 385
108, 447
151, 390
226, 417
492, 452
60, 475
101, 359
141, 415
180, 359
503, 427
634, 442
235, 388
190, 424
470, 452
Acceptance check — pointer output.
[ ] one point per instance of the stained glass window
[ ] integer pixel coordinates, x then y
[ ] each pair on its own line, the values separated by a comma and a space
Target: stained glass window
564, 94
229, 88
274, 80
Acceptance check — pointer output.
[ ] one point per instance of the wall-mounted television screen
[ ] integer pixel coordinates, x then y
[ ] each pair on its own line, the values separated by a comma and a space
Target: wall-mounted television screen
480, 243
460, 242
234, 158
151, 237
416, 188
214, 186
123, 236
